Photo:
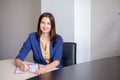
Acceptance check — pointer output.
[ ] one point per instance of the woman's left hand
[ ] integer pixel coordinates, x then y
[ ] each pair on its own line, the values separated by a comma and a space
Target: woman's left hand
41, 71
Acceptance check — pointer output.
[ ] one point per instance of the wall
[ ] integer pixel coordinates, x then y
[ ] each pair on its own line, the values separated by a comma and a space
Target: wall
82, 29
63, 12
105, 30
17, 19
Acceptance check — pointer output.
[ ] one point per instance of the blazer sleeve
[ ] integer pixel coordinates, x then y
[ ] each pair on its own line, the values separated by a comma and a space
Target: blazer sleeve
25, 49
58, 49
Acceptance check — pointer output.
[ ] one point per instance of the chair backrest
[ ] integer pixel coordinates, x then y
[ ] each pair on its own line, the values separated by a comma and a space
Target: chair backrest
69, 54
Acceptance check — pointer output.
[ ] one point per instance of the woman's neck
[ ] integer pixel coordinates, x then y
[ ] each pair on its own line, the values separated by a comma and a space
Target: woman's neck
45, 36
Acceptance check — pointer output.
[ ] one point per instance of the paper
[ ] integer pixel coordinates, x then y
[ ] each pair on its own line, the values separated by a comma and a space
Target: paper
33, 69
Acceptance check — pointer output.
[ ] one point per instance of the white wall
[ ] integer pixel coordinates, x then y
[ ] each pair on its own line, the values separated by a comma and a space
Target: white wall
17, 19
105, 22
82, 29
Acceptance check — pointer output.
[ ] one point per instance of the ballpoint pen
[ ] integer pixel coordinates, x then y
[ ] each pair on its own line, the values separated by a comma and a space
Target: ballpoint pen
25, 66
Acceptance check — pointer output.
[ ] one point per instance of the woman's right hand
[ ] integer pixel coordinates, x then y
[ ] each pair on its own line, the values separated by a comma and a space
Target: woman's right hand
19, 63
24, 67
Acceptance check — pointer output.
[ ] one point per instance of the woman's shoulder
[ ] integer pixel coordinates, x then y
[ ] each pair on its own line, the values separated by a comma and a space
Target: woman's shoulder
58, 40
59, 37
33, 35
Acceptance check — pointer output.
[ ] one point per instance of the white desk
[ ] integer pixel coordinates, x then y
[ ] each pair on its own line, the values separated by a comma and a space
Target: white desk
7, 68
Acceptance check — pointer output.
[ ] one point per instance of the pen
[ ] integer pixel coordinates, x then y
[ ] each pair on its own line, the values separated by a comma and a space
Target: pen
26, 66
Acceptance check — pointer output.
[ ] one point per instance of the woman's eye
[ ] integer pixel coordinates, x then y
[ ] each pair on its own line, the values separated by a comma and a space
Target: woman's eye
42, 22
48, 23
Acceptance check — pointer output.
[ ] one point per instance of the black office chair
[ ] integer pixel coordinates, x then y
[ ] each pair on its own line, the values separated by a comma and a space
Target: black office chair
69, 54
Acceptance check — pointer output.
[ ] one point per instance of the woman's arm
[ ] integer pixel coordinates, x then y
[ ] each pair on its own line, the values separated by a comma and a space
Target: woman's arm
48, 67
24, 52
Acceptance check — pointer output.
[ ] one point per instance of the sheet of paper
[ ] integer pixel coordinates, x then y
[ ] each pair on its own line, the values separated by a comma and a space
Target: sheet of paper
33, 69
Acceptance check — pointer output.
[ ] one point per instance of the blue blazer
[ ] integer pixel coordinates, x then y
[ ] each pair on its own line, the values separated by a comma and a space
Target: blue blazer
32, 43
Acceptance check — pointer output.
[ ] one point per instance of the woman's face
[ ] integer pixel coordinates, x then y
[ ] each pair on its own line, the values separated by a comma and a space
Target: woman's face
45, 25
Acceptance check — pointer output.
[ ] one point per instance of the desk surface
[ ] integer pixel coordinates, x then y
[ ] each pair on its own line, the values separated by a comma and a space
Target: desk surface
7, 68
103, 69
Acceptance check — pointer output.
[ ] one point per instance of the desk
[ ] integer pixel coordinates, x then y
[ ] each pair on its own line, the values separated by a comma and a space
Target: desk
103, 69
7, 68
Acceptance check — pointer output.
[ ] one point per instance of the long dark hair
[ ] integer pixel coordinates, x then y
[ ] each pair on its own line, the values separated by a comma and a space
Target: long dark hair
53, 29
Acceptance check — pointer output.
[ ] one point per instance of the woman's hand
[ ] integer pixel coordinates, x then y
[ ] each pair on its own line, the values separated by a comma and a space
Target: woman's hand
41, 70
21, 65
24, 67
48, 67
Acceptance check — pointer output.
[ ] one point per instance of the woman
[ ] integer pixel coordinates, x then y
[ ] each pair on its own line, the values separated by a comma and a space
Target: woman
45, 44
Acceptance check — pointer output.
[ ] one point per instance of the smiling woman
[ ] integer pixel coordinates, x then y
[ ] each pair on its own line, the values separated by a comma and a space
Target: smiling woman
45, 44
